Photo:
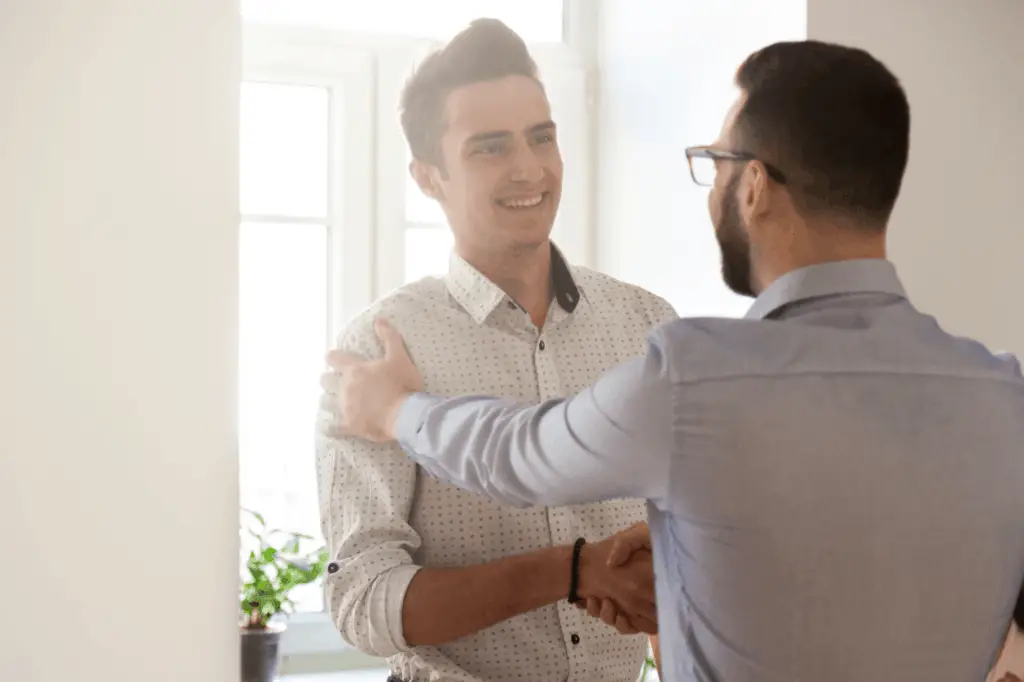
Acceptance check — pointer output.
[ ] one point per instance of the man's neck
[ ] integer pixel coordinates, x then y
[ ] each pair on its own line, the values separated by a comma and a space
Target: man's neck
523, 274
831, 249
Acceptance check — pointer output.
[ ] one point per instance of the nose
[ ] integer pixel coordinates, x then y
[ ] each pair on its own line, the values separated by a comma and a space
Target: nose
526, 167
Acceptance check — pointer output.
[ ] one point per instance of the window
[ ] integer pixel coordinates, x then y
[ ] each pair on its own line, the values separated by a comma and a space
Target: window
331, 219
282, 298
284, 150
427, 249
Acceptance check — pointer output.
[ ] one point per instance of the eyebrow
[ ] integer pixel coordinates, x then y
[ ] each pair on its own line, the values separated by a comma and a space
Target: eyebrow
505, 134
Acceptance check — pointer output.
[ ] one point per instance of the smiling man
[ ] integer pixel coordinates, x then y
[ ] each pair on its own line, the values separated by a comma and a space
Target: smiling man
834, 482
447, 584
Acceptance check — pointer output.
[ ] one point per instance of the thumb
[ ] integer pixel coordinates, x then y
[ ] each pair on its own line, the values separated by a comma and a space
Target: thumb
623, 548
390, 339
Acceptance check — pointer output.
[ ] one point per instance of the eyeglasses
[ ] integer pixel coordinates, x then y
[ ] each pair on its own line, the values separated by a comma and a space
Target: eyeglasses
704, 166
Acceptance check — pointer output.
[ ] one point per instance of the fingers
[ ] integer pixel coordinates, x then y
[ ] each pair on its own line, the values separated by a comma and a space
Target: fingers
630, 623
638, 603
624, 627
622, 550
608, 614
340, 360
329, 381
627, 542
649, 615
390, 339
336, 430
648, 627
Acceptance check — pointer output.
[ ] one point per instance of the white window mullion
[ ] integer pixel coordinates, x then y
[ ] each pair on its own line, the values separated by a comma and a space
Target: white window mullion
309, 58
581, 28
284, 219
393, 68
566, 83
352, 190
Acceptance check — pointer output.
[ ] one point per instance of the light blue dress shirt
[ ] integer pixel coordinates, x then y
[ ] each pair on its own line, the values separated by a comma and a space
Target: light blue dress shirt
835, 484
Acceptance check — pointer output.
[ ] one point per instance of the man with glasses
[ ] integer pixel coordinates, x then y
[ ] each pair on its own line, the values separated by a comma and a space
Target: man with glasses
834, 482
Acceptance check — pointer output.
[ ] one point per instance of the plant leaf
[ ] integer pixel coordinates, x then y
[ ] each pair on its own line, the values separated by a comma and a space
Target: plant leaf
272, 571
258, 516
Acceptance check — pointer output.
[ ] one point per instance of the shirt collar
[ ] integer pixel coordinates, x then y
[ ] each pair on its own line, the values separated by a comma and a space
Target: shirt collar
479, 296
828, 279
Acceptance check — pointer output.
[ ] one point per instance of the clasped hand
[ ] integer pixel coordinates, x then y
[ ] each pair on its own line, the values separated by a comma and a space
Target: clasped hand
617, 581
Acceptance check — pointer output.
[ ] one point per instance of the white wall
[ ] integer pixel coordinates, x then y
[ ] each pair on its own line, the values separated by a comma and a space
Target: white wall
957, 235
665, 84
118, 474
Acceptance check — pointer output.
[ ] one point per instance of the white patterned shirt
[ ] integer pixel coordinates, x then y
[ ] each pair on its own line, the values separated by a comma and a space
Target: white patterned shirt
383, 518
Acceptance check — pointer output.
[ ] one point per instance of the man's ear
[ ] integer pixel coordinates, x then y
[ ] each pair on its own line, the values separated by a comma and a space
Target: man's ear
756, 189
425, 177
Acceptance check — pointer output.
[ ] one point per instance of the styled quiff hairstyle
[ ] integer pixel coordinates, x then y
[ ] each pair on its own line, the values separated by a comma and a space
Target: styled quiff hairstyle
486, 50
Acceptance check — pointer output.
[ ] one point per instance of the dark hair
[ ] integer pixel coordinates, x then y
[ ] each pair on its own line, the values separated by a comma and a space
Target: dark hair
486, 50
834, 119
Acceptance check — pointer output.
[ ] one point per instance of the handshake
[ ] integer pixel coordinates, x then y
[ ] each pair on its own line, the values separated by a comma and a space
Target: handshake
616, 581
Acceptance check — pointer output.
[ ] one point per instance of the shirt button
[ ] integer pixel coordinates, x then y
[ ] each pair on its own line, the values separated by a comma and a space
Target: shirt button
541, 345
575, 639
332, 567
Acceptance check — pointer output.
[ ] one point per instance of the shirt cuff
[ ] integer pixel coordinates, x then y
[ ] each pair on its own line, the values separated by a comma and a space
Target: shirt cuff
410, 417
395, 586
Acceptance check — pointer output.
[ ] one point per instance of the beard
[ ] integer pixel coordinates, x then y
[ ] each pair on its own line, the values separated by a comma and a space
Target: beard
734, 245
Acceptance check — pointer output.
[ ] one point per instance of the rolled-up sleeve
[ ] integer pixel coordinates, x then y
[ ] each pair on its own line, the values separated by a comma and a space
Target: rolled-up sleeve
365, 494
612, 440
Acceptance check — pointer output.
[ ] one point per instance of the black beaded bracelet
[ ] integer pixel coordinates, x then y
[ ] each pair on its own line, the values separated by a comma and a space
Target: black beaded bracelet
574, 577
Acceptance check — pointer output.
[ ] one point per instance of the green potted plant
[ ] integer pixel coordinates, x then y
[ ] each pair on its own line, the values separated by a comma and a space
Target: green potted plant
275, 566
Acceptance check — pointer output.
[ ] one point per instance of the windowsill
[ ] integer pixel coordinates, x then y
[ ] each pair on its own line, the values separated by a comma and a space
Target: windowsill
362, 675
311, 633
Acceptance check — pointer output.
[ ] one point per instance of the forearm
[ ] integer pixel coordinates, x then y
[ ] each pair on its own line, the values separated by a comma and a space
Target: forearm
444, 604
610, 441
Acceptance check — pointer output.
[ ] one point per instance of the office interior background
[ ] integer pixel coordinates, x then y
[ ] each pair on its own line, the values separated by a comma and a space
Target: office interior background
175, 258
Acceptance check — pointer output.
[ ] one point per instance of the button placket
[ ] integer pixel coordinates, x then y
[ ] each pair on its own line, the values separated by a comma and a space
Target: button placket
547, 373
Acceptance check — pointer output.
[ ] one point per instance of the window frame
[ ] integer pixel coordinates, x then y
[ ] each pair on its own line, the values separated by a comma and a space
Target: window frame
367, 172
303, 57
273, 55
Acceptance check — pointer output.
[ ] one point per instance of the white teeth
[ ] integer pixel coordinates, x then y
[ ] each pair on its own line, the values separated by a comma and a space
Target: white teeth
523, 203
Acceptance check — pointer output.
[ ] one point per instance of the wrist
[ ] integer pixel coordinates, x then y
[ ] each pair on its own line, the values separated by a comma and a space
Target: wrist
574, 573
585, 586
394, 413
543, 576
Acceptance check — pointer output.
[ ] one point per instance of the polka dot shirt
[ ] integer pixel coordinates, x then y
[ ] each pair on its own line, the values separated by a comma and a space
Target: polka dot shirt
384, 518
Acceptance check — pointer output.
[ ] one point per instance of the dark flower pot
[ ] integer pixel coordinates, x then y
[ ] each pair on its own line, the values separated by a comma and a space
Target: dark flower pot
261, 654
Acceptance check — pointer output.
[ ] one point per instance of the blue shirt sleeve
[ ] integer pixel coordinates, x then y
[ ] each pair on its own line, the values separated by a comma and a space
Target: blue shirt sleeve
611, 440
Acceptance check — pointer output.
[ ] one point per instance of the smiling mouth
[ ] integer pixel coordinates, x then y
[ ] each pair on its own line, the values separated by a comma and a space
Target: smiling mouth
523, 203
